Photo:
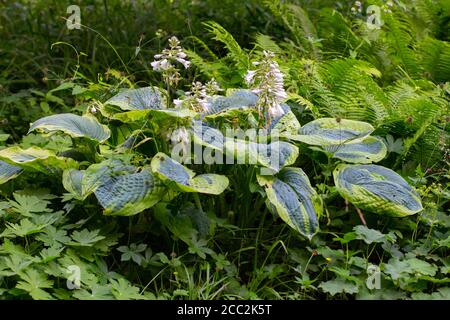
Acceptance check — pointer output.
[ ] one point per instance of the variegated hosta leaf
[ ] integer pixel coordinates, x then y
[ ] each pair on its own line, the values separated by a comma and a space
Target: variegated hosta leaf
274, 155
139, 99
156, 115
97, 174
377, 189
72, 182
233, 105
332, 131
129, 194
73, 125
369, 150
36, 158
8, 172
121, 189
180, 178
207, 136
292, 197
286, 124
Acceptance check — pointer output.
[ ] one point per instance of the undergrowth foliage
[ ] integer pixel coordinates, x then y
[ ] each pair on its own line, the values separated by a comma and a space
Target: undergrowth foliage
311, 162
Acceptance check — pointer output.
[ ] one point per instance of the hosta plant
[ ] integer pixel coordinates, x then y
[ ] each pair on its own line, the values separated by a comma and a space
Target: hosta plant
145, 147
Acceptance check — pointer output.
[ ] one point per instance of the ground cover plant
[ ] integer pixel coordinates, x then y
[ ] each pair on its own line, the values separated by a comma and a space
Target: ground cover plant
302, 154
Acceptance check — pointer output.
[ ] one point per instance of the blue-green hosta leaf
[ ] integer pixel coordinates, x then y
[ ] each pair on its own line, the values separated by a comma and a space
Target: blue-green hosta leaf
120, 189
73, 125
98, 173
139, 99
369, 150
332, 131
129, 194
376, 189
156, 115
287, 123
230, 106
35, 158
180, 178
8, 172
274, 155
72, 182
207, 136
292, 197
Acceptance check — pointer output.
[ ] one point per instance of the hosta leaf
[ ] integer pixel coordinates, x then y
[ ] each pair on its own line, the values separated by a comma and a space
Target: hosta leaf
369, 150
73, 125
332, 131
156, 115
180, 178
294, 200
8, 172
97, 174
36, 158
129, 194
273, 155
376, 189
139, 99
286, 124
72, 182
121, 189
239, 101
207, 136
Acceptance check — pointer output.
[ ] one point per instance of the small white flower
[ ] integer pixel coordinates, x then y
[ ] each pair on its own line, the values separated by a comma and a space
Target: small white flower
275, 111
249, 76
184, 62
358, 3
178, 102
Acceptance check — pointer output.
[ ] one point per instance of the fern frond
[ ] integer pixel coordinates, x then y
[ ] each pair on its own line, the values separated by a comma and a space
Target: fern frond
235, 52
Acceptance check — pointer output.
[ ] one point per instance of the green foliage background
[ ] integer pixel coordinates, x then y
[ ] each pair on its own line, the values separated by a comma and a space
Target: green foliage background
395, 78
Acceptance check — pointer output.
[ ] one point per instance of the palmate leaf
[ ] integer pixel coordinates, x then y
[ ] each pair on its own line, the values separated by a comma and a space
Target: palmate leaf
369, 150
36, 158
180, 178
376, 189
332, 131
73, 125
8, 172
121, 189
33, 282
292, 197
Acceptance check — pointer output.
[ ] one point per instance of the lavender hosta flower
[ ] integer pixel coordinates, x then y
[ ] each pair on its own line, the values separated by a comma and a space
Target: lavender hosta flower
165, 61
267, 82
197, 99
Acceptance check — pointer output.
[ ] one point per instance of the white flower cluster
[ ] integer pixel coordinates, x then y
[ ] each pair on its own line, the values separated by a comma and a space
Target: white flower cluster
164, 62
267, 83
197, 98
